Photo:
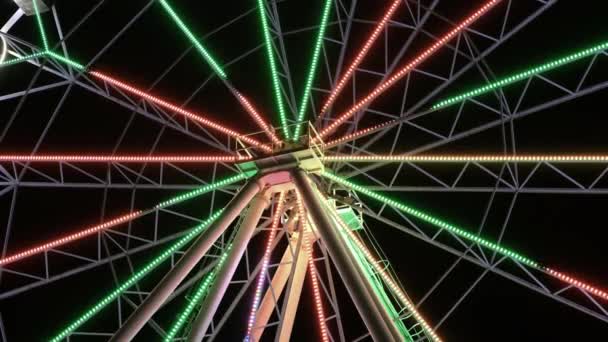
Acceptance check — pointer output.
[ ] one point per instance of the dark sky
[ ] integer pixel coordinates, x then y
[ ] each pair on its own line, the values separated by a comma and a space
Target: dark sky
568, 231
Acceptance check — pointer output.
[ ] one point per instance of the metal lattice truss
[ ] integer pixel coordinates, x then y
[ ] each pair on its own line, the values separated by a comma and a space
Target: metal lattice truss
310, 187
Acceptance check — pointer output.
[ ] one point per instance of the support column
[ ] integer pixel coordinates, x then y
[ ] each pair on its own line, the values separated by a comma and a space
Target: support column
191, 258
225, 274
294, 291
377, 320
274, 291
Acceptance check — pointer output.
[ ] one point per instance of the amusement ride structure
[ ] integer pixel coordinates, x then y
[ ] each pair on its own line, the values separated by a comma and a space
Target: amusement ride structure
302, 188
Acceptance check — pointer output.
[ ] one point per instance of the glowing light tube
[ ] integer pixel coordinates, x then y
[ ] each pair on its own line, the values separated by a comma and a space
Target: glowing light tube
120, 220
535, 70
311, 72
433, 220
23, 59
201, 49
400, 294
266, 259
585, 158
339, 86
357, 134
257, 117
72, 237
45, 42
406, 69
179, 110
121, 159
135, 278
195, 299
312, 272
65, 60
276, 82
469, 236
577, 283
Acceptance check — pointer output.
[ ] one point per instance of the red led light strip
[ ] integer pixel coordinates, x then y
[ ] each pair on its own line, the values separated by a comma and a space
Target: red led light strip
122, 159
307, 244
266, 258
71, 237
359, 58
177, 109
406, 69
257, 117
567, 279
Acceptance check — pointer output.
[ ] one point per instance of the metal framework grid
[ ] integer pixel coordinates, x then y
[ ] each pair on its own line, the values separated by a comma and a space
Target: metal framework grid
283, 189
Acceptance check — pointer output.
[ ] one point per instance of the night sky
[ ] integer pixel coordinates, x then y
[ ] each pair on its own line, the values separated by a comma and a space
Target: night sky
568, 231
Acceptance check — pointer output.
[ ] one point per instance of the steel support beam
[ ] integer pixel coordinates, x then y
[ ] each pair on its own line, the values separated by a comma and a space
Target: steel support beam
371, 310
225, 274
195, 253
292, 297
279, 280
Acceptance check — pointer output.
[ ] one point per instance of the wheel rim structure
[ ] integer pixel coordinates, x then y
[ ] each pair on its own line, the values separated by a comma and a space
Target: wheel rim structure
363, 121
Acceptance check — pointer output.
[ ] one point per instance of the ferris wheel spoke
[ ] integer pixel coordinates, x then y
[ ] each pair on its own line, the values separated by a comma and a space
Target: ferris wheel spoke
408, 68
138, 159
274, 75
350, 70
249, 108
474, 60
517, 258
532, 71
135, 278
316, 53
418, 22
528, 279
117, 221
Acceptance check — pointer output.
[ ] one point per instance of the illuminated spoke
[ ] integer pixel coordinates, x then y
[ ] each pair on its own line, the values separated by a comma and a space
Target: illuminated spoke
45, 42
312, 71
136, 277
433, 220
535, 70
467, 235
339, 86
122, 159
257, 117
122, 219
23, 59
199, 47
179, 110
406, 69
266, 259
574, 158
73, 237
276, 82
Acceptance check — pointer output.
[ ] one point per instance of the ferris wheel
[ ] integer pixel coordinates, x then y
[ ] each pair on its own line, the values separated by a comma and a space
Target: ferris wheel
275, 209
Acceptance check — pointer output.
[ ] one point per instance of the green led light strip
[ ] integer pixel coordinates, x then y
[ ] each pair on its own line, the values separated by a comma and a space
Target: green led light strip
522, 75
136, 277
214, 65
205, 189
377, 286
276, 82
196, 298
433, 220
40, 26
311, 71
23, 59
65, 60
